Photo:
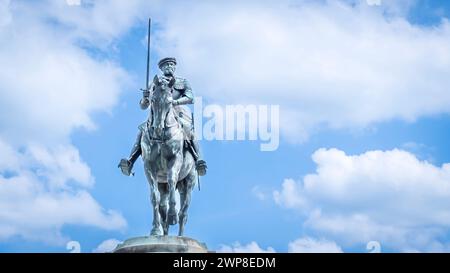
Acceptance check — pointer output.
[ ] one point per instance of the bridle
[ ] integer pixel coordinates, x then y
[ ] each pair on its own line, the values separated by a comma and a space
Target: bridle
151, 129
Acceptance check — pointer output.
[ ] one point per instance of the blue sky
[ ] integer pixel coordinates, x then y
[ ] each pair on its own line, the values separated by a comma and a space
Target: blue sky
364, 103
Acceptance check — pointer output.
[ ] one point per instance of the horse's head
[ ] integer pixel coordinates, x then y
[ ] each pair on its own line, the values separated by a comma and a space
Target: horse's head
162, 109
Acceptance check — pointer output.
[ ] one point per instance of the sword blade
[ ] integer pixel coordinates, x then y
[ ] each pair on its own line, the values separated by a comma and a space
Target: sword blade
148, 52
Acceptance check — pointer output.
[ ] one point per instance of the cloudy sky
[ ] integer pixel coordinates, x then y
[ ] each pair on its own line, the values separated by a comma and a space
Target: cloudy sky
364, 98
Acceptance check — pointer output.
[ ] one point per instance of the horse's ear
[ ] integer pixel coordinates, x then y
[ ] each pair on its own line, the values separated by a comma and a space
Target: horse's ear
172, 82
156, 80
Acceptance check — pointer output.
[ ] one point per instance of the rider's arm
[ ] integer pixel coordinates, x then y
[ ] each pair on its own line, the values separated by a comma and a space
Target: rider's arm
145, 101
187, 97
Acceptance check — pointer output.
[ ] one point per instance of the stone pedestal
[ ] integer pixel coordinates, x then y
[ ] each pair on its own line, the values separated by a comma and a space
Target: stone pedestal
152, 244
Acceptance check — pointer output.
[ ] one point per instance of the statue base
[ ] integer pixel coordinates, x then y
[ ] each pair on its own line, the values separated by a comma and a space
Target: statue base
161, 244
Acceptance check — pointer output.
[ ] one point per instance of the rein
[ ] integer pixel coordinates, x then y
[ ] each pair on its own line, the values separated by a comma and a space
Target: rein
164, 128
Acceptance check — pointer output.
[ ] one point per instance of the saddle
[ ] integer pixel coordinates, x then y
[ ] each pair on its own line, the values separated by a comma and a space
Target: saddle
184, 119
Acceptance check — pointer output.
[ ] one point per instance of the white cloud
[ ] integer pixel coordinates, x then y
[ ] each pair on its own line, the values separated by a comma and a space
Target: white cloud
60, 165
96, 22
37, 200
51, 85
388, 196
300, 245
252, 247
5, 15
339, 64
311, 245
373, 2
327, 64
260, 193
332, 64
73, 2
107, 246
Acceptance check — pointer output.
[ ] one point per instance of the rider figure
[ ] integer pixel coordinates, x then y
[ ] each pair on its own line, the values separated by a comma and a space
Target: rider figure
181, 95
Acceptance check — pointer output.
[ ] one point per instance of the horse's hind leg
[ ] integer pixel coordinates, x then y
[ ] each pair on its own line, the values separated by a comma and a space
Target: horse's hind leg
185, 188
164, 195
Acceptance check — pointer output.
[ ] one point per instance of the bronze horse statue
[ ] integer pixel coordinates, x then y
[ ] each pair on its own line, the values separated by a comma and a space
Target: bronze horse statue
168, 165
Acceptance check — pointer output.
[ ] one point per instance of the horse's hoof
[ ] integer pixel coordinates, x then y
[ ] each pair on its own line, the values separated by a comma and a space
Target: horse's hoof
172, 219
155, 232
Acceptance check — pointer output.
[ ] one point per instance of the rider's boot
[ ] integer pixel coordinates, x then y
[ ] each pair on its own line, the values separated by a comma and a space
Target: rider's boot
126, 165
200, 164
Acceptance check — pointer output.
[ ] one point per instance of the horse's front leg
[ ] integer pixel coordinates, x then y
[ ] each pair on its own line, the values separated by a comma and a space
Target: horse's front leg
155, 199
173, 169
164, 197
